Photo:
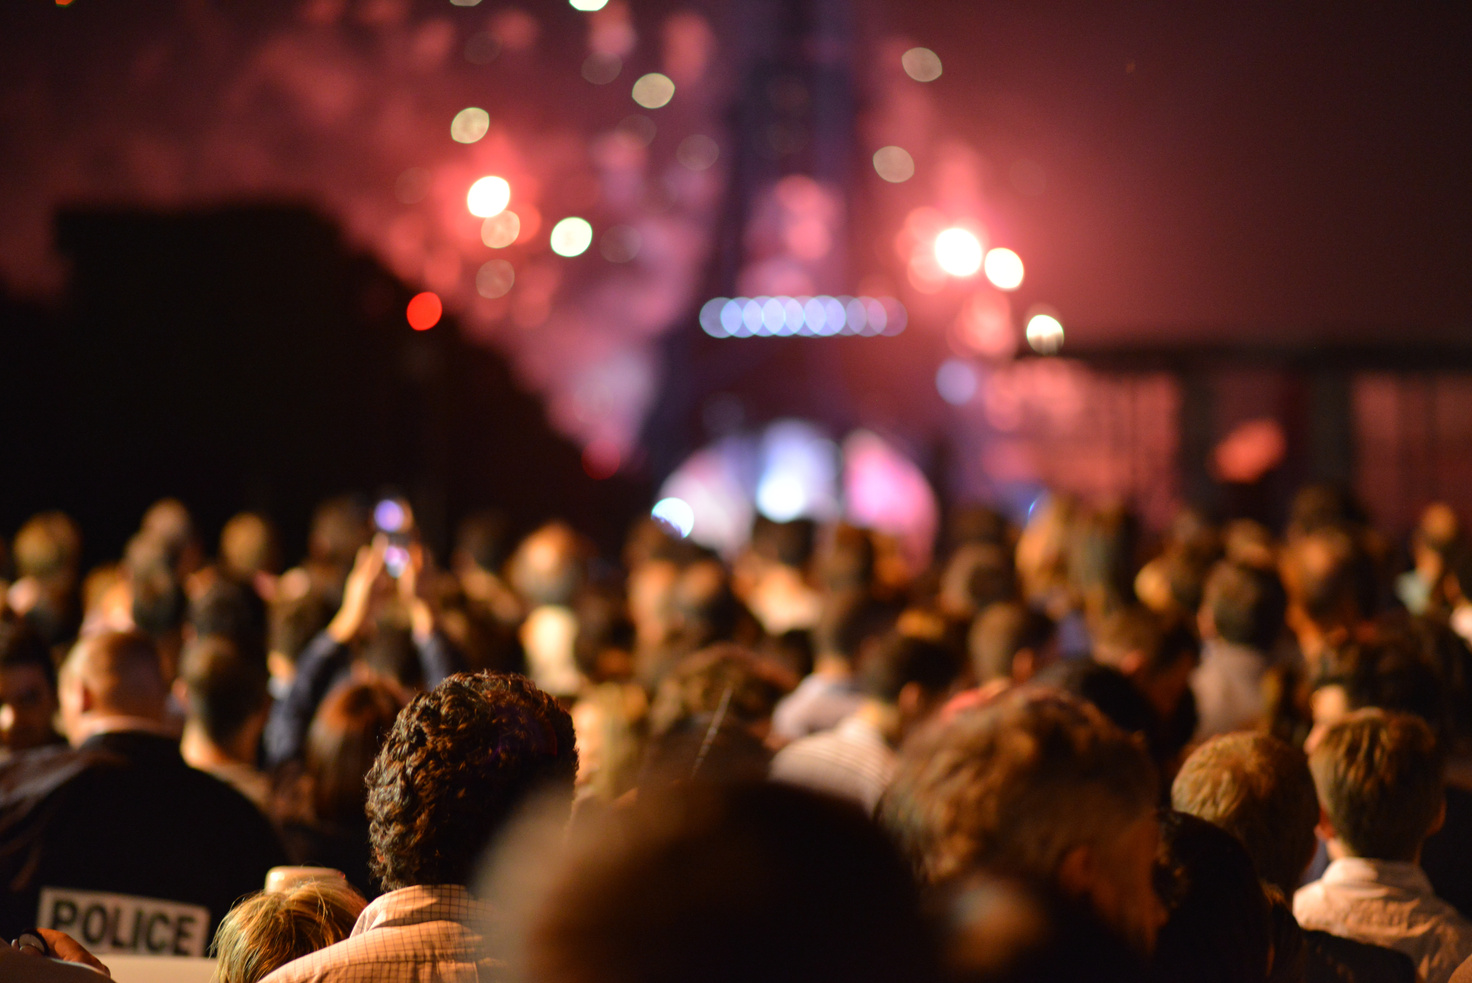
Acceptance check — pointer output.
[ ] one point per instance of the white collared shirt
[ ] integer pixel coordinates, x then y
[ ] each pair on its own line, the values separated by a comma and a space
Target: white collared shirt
1389, 903
427, 932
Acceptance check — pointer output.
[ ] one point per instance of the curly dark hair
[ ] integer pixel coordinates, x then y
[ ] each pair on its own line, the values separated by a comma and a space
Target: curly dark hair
456, 765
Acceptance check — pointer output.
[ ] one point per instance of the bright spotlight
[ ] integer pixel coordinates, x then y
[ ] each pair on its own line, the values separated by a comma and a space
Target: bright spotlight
1044, 334
488, 196
1004, 269
921, 64
958, 252
654, 90
676, 513
956, 382
588, 4
571, 237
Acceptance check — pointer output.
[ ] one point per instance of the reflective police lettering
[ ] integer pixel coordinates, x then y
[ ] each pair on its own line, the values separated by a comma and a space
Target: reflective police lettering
105, 922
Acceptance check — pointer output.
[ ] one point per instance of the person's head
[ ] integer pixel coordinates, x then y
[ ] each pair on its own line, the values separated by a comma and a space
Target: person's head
727, 679
111, 673
1326, 577
27, 687
847, 622
49, 548
230, 609
1379, 779
1258, 788
728, 885
345, 737
1243, 605
548, 566
269, 929
1008, 640
224, 692
1218, 928
845, 559
248, 546
914, 675
480, 542
296, 616
340, 527
1035, 784
457, 764
1157, 659
977, 575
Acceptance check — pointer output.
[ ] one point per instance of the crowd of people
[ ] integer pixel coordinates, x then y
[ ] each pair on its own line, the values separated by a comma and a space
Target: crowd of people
1067, 750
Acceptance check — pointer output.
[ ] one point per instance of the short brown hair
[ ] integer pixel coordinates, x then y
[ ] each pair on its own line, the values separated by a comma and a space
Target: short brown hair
1258, 788
267, 930
1014, 785
1379, 778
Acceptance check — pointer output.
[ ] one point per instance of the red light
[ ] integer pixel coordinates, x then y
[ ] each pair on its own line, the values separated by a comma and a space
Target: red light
424, 311
601, 459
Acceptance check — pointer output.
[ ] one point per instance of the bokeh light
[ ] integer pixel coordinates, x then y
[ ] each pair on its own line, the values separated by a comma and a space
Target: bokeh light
470, 124
958, 251
675, 513
571, 237
654, 90
588, 4
955, 380
620, 244
808, 317
495, 279
697, 152
488, 196
600, 68
465, 3
639, 128
424, 311
921, 64
501, 229
894, 164
601, 459
1004, 269
412, 186
1044, 334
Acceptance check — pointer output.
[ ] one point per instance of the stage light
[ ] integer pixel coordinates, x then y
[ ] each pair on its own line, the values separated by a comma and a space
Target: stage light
1044, 334
894, 164
424, 311
958, 252
469, 125
956, 382
808, 317
654, 90
500, 230
675, 513
571, 237
495, 279
921, 64
588, 5
1004, 269
488, 196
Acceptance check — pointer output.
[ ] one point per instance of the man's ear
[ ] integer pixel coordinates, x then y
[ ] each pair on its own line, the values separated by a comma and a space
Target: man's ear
1077, 872
1325, 829
1440, 819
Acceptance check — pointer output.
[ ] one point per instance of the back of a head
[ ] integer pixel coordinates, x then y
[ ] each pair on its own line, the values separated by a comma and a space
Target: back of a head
848, 620
548, 566
1218, 929
1246, 605
900, 660
1258, 788
458, 763
265, 931
978, 574
1001, 631
1130, 636
727, 679
48, 547
1012, 786
729, 885
1324, 571
121, 672
343, 741
340, 527
226, 687
1379, 779
248, 546
480, 539
233, 610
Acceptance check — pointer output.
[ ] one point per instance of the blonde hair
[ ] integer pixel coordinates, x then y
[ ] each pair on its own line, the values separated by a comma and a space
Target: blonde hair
268, 930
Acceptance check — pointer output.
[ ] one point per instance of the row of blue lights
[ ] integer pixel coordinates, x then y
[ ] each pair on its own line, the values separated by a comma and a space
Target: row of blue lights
806, 317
